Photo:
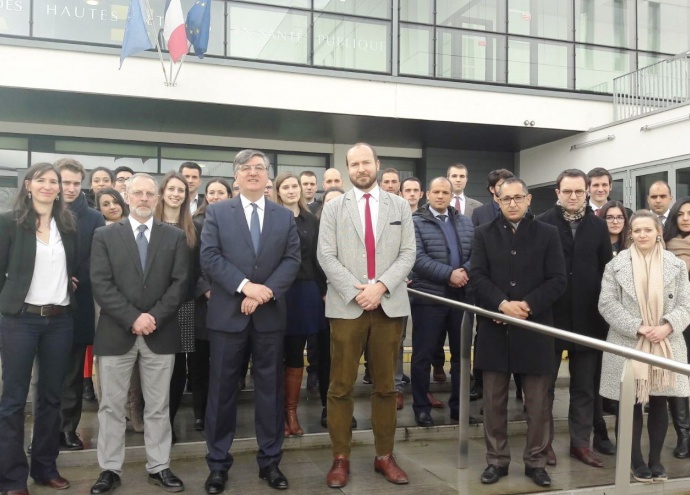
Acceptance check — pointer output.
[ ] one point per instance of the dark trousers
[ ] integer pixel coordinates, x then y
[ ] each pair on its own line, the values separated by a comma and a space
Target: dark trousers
324, 363
583, 368
313, 353
21, 338
429, 322
537, 414
227, 351
177, 383
348, 339
73, 389
293, 350
198, 376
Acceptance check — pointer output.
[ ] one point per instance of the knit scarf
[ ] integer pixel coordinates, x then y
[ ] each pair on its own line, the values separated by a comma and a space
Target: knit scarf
649, 284
571, 217
680, 246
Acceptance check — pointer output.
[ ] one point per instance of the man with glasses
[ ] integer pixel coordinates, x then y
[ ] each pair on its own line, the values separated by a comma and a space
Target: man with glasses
586, 249
517, 269
250, 249
121, 175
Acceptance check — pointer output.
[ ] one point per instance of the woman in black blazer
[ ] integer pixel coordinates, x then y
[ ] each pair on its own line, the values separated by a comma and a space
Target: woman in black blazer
37, 249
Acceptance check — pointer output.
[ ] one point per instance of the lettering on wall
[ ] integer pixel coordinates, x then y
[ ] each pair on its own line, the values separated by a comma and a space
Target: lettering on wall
12, 5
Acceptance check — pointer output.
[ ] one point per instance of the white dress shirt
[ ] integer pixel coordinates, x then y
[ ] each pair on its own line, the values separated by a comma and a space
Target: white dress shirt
373, 206
461, 197
49, 281
194, 204
247, 207
135, 226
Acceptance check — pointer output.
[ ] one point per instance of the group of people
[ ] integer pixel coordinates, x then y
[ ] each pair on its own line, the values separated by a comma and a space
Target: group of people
171, 286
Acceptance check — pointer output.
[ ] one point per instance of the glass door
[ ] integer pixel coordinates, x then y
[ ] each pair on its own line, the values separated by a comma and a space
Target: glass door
642, 179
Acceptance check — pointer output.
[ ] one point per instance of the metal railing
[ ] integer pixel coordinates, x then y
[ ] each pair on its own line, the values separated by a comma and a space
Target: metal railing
662, 85
627, 390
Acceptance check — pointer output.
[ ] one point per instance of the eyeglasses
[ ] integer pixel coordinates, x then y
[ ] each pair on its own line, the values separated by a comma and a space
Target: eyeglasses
569, 192
249, 168
121, 180
505, 201
140, 194
618, 218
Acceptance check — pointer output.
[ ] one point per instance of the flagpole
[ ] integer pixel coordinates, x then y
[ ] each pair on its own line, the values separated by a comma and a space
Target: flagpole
189, 46
149, 15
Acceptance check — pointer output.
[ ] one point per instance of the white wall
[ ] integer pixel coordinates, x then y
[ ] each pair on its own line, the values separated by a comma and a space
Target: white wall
97, 73
542, 164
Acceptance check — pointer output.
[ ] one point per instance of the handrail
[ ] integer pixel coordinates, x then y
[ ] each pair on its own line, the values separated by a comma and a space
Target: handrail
627, 386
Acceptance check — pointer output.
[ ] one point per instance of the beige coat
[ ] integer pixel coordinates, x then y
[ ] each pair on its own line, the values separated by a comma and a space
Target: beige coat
619, 307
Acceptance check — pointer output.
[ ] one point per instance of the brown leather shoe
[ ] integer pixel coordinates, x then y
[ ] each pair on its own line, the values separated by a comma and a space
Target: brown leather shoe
390, 469
435, 403
439, 374
399, 402
340, 470
585, 455
23, 491
58, 483
550, 456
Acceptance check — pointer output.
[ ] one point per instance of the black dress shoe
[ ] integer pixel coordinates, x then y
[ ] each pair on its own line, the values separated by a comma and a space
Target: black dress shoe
324, 417
405, 379
425, 420
539, 476
642, 473
274, 477
199, 425
658, 472
69, 440
354, 423
167, 481
603, 445
106, 483
215, 483
492, 474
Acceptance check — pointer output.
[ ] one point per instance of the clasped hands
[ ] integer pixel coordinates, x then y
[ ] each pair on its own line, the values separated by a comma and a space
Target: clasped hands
145, 324
256, 294
516, 309
458, 278
655, 334
370, 297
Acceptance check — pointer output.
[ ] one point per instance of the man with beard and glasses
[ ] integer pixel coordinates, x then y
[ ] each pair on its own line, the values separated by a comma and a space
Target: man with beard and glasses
366, 249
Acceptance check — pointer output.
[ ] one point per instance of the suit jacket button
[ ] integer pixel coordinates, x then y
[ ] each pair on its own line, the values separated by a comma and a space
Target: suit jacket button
513, 283
144, 286
670, 296
255, 267
513, 252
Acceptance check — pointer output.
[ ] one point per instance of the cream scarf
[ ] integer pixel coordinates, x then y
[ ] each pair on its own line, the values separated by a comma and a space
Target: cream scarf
680, 246
649, 284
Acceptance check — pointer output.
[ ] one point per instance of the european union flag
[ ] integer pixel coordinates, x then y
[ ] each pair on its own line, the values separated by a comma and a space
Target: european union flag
136, 38
198, 26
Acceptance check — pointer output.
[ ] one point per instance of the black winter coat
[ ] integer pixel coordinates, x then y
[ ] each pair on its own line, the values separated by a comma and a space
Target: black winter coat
432, 269
88, 220
586, 256
523, 266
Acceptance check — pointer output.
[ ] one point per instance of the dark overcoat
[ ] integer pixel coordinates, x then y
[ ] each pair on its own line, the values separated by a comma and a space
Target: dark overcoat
523, 266
585, 256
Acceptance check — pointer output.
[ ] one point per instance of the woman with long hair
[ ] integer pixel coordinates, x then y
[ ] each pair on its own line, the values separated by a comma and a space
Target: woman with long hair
173, 209
111, 205
100, 178
677, 239
617, 221
216, 190
305, 308
37, 254
645, 298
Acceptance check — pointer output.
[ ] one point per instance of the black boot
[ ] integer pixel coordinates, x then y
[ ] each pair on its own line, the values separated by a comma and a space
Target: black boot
680, 412
601, 441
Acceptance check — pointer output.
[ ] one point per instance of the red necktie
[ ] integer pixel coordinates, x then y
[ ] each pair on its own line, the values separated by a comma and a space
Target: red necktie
457, 204
598, 212
369, 241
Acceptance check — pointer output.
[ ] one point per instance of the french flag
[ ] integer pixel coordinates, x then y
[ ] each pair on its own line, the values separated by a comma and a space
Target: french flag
174, 30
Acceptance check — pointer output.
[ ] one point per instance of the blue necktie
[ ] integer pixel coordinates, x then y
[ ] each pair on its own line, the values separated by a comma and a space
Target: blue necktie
255, 228
142, 245
442, 218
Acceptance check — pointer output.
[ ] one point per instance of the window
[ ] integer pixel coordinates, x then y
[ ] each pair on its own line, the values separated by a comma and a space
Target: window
471, 56
663, 26
535, 63
417, 11
484, 15
605, 22
14, 17
597, 67
365, 8
541, 18
416, 50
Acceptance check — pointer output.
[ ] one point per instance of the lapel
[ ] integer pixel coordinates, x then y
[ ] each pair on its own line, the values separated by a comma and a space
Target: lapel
384, 209
351, 206
130, 244
269, 213
154, 242
238, 214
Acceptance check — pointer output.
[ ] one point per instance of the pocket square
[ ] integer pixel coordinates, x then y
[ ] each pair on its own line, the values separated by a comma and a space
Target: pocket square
398, 222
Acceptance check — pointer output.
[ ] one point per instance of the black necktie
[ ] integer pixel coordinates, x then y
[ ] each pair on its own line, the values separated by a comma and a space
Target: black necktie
442, 218
142, 245
255, 228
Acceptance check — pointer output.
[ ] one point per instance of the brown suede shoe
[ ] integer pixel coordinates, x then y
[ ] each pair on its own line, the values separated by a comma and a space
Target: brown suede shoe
435, 403
58, 483
340, 470
399, 402
439, 374
390, 469
550, 456
585, 455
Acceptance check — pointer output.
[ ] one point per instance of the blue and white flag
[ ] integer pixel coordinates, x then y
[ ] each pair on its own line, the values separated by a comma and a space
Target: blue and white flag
198, 26
136, 38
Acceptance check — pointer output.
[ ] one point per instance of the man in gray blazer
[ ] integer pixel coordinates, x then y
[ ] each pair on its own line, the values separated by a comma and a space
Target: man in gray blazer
457, 175
367, 249
139, 273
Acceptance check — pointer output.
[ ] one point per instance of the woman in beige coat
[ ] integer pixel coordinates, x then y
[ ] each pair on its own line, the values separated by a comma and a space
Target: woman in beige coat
645, 298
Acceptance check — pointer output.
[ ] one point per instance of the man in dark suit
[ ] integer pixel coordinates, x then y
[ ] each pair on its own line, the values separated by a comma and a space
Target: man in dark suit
139, 272
587, 250
517, 269
251, 251
192, 172
72, 174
